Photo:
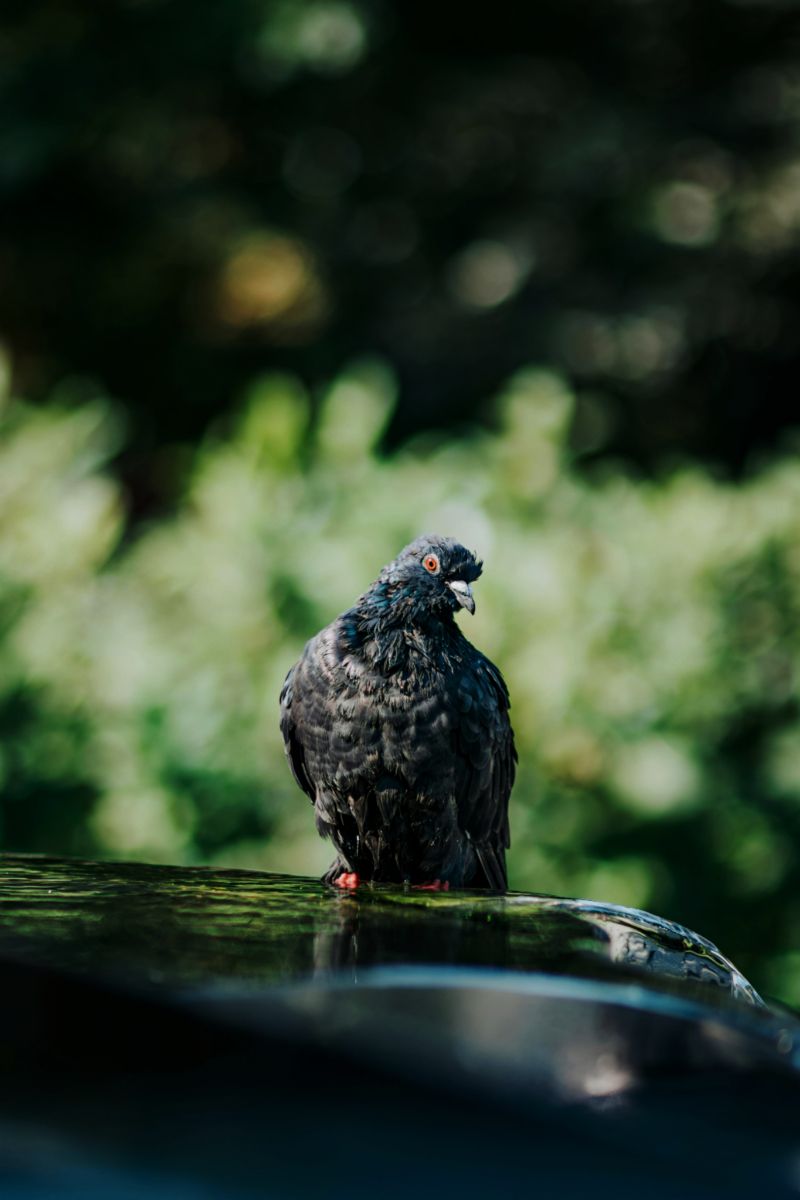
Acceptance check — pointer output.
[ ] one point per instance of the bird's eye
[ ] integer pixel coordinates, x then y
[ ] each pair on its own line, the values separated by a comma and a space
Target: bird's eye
431, 563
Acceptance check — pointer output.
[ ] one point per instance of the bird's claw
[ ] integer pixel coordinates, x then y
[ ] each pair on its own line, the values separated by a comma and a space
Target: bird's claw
436, 885
348, 879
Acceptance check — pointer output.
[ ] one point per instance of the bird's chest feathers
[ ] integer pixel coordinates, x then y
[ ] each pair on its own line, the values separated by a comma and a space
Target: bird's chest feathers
397, 700
410, 662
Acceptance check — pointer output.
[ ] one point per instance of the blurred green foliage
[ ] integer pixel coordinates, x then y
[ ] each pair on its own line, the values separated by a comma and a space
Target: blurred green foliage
648, 632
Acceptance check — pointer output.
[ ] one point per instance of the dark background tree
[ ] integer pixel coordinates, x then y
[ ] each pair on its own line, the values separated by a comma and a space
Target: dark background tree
192, 191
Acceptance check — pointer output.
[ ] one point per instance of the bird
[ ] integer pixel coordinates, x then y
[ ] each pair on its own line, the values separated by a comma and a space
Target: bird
398, 730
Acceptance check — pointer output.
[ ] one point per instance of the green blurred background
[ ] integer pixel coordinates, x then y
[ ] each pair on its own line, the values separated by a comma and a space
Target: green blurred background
284, 284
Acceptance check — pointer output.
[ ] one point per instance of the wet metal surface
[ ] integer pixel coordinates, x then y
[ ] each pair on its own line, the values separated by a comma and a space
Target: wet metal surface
179, 927
178, 1032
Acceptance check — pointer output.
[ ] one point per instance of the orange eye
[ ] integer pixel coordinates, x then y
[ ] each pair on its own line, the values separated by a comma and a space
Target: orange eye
431, 563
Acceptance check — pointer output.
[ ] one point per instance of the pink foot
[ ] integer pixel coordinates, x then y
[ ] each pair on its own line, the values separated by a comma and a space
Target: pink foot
348, 879
436, 885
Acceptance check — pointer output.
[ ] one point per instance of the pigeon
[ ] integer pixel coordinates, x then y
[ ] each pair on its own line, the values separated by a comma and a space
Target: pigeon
397, 728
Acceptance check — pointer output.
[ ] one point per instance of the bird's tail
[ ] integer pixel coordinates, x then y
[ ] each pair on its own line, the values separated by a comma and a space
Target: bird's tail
493, 863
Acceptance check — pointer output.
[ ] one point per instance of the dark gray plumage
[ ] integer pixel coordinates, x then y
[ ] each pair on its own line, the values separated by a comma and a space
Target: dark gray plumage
398, 730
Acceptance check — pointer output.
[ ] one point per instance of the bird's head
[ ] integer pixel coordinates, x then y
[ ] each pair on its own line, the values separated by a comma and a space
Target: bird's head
431, 576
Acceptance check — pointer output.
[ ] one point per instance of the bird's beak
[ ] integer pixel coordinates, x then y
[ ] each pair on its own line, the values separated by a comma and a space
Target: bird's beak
463, 594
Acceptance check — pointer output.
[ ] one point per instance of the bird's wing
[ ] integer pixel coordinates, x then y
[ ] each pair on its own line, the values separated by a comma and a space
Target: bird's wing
485, 765
317, 719
292, 743
310, 712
